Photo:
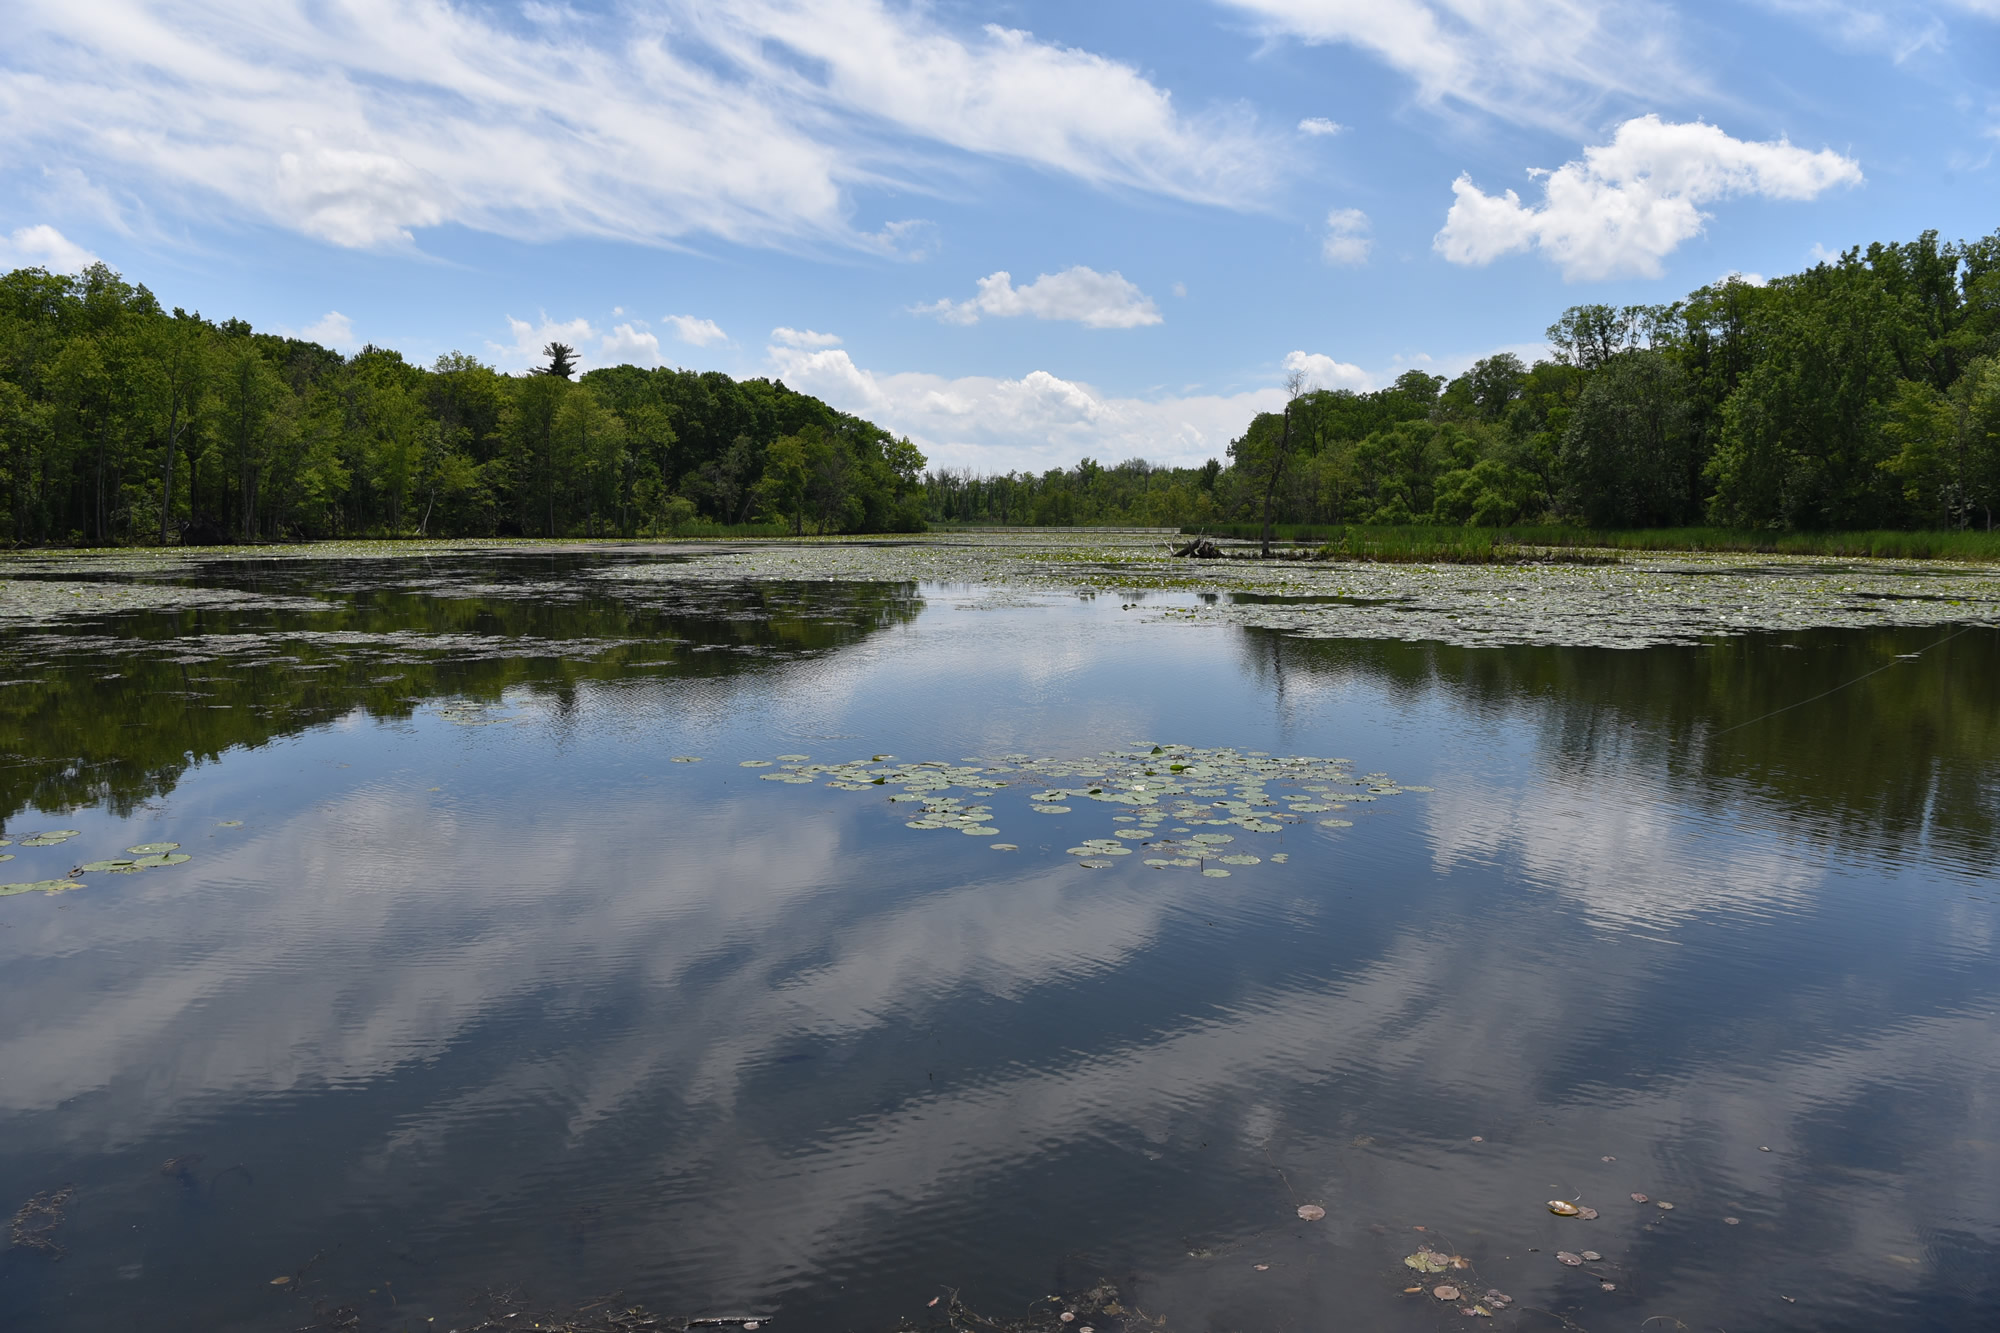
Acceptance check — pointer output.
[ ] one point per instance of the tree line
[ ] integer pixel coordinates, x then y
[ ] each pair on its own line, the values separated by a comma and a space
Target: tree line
121, 421
1861, 393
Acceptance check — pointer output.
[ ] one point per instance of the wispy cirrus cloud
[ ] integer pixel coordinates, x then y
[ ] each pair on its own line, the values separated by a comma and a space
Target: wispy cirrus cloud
1545, 62
360, 123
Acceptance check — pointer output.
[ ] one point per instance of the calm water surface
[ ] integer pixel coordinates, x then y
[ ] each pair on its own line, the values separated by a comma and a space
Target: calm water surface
486, 991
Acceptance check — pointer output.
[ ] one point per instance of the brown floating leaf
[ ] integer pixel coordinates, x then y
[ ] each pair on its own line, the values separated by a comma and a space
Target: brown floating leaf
1311, 1212
1067, 1316
1262, 1268
1638, 1198
1609, 1286
1412, 1291
1572, 1260
1495, 1296
1592, 1255
1478, 1139
1664, 1204
1460, 1261
279, 1281
1479, 1310
1587, 1214
1607, 1159
1445, 1292
1563, 1208
1426, 1261
1732, 1221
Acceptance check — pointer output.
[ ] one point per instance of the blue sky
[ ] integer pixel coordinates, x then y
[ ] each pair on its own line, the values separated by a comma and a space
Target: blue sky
1021, 233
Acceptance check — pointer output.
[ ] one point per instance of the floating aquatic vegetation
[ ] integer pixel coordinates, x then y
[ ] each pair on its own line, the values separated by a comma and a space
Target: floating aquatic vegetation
35, 1222
152, 848
41, 886
1640, 600
1152, 786
52, 838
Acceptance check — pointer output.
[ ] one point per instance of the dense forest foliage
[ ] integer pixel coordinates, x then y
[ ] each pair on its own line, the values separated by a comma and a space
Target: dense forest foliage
121, 421
1861, 393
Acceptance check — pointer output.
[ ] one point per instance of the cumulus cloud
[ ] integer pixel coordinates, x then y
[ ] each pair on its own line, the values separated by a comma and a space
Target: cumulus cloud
631, 344
1629, 203
525, 350
1346, 237
1319, 126
1095, 300
42, 246
360, 123
697, 332
1546, 62
804, 337
332, 329
1323, 372
1042, 420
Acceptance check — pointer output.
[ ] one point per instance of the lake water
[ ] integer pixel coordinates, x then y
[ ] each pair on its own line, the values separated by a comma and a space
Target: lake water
470, 986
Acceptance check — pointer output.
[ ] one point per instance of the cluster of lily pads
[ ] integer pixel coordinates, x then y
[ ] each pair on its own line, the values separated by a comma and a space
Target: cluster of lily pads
144, 856
1164, 792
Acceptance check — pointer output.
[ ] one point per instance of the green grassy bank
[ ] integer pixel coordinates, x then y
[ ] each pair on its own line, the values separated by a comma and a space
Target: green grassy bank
1482, 545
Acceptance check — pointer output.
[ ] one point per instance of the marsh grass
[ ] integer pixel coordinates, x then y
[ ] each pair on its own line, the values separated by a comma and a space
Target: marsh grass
1457, 545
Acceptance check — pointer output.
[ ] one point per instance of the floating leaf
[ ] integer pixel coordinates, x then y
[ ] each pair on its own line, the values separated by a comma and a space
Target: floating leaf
687, 758
1732, 1221
1562, 1208
164, 859
1662, 1203
153, 848
1572, 1260
755, 763
99, 867
1005, 847
1592, 1255
230, 823
279, 1281
1336, 823
1426, 1261
1609, 1286
1444, 1291
1587, 1214
41, 886
1638, 1197
1311, 1212
1214, 872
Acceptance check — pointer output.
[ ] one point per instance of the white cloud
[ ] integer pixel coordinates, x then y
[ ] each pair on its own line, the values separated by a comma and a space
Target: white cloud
42, 246
1319, 126
529, 340
360, 123
1629, 203
804, 337
697, 332
1096, 300
1323, 372
332, 329
1346, 237
1041, 420
1546, 62
631, 344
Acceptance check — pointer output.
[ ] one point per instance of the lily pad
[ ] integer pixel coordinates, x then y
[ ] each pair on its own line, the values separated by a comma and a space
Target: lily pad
1336, 823
1214, 872
1427, 1261
98, 867
1444, 1291
1311, 1212
41, 886
153, 848
1569, 1260
163, 859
